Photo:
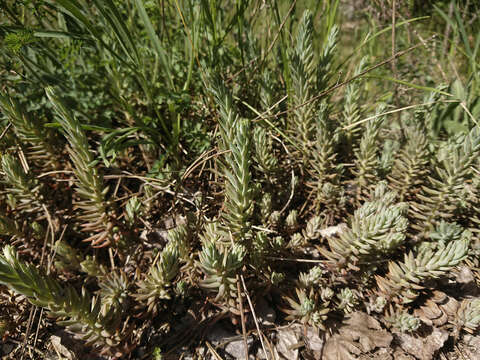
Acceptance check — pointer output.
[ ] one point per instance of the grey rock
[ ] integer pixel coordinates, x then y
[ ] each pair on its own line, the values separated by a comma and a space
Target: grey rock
287, 339
237, 348
313, 340
423, 348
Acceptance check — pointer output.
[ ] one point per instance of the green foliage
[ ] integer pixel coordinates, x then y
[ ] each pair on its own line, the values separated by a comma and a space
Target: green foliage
469, 314
238, 188
444, 193
347, 300
68, 257
352, 111
158, 282
30, 131
9, 227
217, 151
220, 267
25, 188
404, 322
309, 309
114, 293
302, 71
376, 229
90, 182
265, 160
308, 77
16, 40
80, 313
236, 139
366, 156
406, 279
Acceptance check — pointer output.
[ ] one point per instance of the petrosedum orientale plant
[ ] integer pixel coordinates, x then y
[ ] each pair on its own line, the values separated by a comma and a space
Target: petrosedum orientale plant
318, 202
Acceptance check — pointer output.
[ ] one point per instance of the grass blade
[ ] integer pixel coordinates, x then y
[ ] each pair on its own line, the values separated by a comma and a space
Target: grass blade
155, 41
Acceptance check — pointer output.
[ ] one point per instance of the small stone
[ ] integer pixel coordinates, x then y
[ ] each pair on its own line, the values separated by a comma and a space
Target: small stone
237, 348
313, 340
287, 341
60, 349
423, 348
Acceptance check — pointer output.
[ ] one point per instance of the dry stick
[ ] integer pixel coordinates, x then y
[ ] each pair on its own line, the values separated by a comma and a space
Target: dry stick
52, 255
269, 344
29, 346
53, 172
437, 64
50, 229
35, 308
194, 164
260, 333
38, 328
5, 130
296, 260
335, 87
460, 352
395, 111
241, 70
212, 350
464, 106
423, 40
23, 161
201, 161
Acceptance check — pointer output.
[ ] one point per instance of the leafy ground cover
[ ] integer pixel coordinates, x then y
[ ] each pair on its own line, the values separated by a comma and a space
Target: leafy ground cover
216, 179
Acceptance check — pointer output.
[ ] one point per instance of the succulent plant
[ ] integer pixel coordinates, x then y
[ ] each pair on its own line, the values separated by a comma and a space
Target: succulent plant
80, 313
376, 229
158, 283
31, 131
301, 200
406, 279
312, 230
114, 292
220, 267
21, 185
347, 300
308, 310
468, 315
312, 278
90, 188
265, 160
404, 322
